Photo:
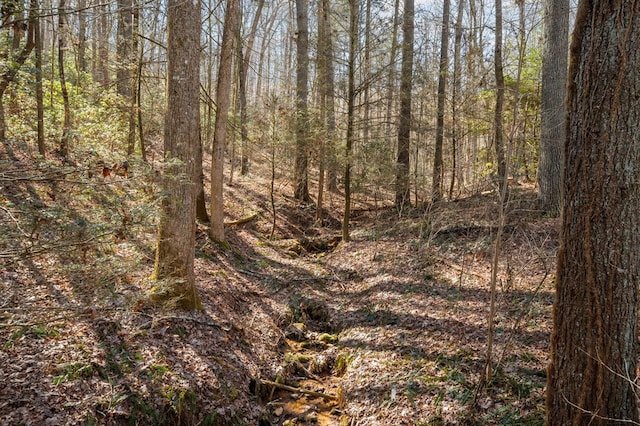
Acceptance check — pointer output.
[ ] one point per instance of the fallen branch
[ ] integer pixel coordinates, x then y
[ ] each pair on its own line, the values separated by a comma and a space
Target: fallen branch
242, 221
298, 390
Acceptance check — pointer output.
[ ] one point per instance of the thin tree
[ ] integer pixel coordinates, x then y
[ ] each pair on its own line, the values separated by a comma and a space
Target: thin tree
223, 101
455, 93
39, 91
176, 238
124, 37
553, 110
443, 75
242, 87
11, 69
592, 374
301, 179
102, 66
351, 100
327, 103
391, 77
82, 35
498, 114
66, 126
404, 128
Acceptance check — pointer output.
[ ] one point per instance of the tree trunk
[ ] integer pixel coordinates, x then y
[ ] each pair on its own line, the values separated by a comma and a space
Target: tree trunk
123, 48
553, 109
456, 90
244, 116
223, 100
592, 375
403, 197
391, 77
301, 179
9, 72
82, 35
498, 115
133, 79
329, 91
176, 239
443, 75
42, 150
66, 126
103, 47
351, 98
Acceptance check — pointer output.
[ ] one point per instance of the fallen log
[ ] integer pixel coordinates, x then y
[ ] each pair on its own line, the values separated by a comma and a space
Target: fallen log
242, 221
298, 390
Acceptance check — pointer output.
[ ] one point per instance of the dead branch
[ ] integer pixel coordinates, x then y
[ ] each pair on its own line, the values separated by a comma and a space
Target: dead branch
242, 221
298, 390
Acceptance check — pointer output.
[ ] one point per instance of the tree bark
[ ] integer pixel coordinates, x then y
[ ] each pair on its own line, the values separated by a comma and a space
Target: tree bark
403, 197
65, 140
498, 114
592, 374
301, 178
443, 75
223, 98
553, 108
455, 92
82, 35
102, 69
123, 48
42, 150
351, 98
9, 72
176, 239
244, 116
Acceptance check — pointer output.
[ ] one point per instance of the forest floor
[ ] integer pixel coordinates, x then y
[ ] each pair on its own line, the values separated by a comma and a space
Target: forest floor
299, 328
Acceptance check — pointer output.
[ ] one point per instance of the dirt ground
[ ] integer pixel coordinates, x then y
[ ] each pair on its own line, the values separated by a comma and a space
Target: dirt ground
390, 328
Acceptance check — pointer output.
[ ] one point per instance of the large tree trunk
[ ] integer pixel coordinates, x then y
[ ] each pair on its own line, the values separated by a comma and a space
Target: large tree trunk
592, 375
403, 197
223, 97
443, 75
176, 239
301, 178
553, 109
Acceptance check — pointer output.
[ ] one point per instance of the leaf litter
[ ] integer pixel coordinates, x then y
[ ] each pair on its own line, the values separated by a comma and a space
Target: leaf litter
391, 326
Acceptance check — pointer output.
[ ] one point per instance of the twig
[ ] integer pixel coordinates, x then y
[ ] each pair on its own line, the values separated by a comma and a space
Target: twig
298, 390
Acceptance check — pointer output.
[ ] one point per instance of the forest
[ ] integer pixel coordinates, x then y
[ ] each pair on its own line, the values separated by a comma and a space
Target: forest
363, 212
